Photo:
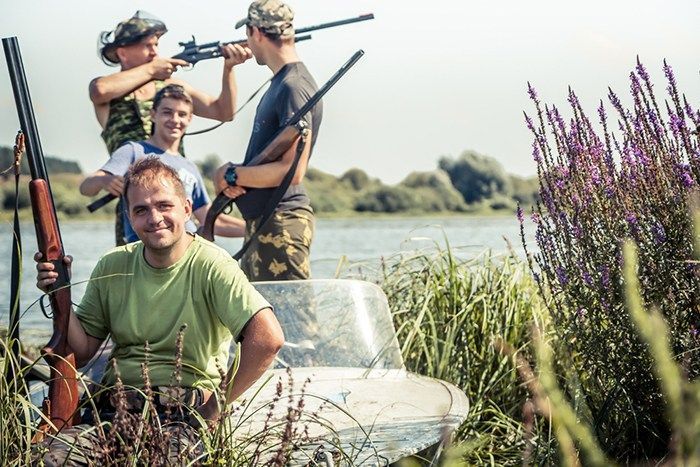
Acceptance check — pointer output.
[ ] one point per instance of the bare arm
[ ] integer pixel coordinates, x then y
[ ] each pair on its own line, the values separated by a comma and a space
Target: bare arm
84, 346
106, 88
101, 180
262, 339
267, 175
223, 107
225, 226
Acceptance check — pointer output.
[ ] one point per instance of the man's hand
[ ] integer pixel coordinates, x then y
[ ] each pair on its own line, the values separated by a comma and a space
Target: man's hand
235, 54
114, 184
47, 274
162, 68
210, 411
220, 184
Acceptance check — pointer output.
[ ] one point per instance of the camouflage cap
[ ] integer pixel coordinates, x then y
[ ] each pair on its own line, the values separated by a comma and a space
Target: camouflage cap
130, 31
272, 16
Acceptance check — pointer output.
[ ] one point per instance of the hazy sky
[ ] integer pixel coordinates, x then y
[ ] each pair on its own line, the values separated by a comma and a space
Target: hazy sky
437, 77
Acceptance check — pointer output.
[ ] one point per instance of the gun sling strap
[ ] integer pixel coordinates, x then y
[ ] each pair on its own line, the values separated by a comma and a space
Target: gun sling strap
279, 191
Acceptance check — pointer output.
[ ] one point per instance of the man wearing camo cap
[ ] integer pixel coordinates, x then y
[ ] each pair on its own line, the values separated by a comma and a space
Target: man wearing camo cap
123, 100
280, 249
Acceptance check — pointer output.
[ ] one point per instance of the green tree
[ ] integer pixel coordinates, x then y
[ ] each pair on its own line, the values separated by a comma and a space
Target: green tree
209, 165
476, 176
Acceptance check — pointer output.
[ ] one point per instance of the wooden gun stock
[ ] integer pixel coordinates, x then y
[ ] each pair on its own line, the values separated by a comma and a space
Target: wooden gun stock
282, 141
63, 388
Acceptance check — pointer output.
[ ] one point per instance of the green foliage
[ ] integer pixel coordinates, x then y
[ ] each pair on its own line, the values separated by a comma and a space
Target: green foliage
327, 195
389, 199
67, 199
208, 166
628, 177
476, 177
434, 192
10, 198
525, 190
54, 165
448, 312
356, 178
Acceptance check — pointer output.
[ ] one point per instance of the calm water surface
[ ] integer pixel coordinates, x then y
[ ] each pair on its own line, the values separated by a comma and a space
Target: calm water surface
358, 244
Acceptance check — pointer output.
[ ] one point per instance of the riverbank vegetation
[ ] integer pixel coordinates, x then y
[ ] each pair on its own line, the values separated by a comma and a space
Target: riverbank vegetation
468, 184
585, 352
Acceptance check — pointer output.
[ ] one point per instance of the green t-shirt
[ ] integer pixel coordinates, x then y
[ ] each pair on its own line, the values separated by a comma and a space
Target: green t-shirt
137, 303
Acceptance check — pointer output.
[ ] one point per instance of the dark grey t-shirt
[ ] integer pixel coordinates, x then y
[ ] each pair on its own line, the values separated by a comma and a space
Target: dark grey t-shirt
289, 90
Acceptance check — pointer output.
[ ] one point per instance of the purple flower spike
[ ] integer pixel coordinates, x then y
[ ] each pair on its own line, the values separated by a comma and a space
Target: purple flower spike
601, 113
668, 71
531, 91
536, 155
529, 123
561, 276
659, 233
519, 213
643, 72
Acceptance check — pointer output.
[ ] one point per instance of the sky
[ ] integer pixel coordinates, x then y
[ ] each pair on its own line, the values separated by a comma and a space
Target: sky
437, 78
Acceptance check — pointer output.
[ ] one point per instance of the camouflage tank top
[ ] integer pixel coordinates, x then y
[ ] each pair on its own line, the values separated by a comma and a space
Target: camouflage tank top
129, 120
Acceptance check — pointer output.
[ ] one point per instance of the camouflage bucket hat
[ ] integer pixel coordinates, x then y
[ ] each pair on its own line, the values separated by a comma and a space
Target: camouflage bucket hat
130, 31
272, 16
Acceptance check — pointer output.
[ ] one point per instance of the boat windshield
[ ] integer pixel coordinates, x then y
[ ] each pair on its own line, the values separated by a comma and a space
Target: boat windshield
331, 322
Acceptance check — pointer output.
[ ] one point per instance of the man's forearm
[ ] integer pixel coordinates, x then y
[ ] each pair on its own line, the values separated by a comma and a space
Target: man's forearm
262, 339
221, 108
106, 88
229, 226
93, 184
83, 345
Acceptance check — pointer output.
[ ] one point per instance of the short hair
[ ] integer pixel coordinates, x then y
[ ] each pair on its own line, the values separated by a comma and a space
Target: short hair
172, 91
277, 39
146, 171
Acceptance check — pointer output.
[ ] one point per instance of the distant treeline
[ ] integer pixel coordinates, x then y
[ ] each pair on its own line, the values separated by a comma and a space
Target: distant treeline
470, 183
53, 164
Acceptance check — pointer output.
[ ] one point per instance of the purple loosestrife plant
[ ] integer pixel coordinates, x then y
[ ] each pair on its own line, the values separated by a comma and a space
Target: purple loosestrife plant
599, 187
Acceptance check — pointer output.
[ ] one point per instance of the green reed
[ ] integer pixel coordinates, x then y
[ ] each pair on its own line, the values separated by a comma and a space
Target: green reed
449, 313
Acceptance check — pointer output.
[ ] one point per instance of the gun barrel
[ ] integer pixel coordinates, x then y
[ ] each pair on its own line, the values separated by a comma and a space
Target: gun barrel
25, 113
333, 24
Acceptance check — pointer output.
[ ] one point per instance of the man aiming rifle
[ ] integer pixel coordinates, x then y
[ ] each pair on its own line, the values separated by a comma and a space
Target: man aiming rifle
123, 100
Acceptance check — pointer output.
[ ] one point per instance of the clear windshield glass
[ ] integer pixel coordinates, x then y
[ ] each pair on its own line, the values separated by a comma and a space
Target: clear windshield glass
343, 323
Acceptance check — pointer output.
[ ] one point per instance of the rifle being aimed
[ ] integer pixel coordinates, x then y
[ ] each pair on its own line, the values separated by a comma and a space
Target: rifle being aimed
193, 52
61, 407
293, 130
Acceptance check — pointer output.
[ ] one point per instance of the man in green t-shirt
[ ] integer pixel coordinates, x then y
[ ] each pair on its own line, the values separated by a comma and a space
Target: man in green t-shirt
143, 293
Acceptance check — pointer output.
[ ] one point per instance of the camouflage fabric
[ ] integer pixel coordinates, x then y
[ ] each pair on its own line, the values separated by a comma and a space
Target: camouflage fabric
272, 16
129, 120
280, 250
130, 31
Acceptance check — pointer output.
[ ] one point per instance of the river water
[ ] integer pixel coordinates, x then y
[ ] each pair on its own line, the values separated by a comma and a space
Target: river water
345, 245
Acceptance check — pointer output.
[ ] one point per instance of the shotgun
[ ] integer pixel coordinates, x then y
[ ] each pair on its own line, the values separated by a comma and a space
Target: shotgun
61, 407
292, 130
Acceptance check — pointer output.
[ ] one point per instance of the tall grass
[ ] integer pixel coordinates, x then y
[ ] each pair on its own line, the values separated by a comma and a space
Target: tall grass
631, 176
448, 313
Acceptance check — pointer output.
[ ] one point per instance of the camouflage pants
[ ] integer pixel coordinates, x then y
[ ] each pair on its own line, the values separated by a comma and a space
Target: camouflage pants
280, 250
94, 442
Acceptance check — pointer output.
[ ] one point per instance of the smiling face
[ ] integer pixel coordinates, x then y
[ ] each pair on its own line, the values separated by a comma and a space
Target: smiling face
158, 211
171, 118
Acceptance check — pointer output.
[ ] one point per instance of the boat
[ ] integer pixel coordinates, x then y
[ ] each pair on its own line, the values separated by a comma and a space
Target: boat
342, 358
